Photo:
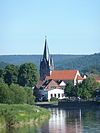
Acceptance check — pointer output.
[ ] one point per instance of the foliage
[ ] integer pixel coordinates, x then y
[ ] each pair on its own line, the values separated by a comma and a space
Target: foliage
19, 94
2, 73
12, 115
15, 94
80, 62
30, 96
3, 65
85, 90
10, 91
53, 99
69, 89
89, 86
11, 74
28, 75
25, 75
4, 92
95, 69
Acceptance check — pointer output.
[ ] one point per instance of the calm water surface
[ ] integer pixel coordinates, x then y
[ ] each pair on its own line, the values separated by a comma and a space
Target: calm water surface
66, 121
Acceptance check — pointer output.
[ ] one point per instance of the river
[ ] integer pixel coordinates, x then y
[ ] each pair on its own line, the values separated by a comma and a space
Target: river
65, 121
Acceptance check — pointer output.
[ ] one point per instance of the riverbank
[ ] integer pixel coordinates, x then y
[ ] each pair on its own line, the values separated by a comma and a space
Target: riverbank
70, 104
19, 115
79, 104
53, 104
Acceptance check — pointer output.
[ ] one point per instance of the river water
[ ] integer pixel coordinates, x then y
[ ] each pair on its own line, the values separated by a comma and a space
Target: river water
65, 121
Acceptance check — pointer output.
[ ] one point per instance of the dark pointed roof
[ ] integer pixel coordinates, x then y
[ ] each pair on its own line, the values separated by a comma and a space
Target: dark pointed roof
46, 51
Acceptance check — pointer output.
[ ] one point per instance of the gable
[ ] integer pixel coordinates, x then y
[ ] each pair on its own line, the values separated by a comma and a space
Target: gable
62, 84
50, 84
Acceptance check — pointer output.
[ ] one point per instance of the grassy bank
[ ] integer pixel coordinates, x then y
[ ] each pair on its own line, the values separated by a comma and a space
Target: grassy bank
52, 104
19, 115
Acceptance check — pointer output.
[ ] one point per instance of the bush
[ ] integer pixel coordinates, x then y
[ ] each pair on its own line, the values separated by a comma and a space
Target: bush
19, 94
15, 94
54, 99
30, 97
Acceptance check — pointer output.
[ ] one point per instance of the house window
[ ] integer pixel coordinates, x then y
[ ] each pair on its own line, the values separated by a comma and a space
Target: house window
51, 95
55, 95
58, 95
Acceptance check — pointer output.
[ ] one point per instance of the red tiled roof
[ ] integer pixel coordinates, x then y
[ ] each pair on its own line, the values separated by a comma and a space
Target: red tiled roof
79, 78
62, 75
98, 81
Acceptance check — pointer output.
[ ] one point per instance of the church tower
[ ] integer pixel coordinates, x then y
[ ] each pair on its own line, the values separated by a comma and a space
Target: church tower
46, 63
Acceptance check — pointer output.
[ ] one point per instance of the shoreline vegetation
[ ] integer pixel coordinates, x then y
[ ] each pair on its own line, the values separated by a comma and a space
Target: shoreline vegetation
16, 115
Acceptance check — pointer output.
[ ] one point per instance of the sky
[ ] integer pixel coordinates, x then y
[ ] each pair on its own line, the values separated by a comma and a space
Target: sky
71, 26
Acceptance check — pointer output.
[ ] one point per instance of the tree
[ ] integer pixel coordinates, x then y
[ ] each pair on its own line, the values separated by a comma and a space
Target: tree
89, 85
19, 94
30, 97
28, 75
78, 91
2, 73
87, 89
86, 94
11, 74
69, 89
4, 92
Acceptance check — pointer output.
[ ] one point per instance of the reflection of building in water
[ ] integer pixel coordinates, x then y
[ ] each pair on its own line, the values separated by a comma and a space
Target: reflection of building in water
57, 122
63, 121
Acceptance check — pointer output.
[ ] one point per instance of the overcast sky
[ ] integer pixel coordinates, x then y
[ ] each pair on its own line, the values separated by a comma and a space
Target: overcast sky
71, 26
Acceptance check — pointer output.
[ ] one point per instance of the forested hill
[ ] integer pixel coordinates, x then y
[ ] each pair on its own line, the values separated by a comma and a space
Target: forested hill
20, 59
80, 62
3, 64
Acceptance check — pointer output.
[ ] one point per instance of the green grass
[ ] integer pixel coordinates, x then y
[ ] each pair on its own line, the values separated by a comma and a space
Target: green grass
51, 102
13, 115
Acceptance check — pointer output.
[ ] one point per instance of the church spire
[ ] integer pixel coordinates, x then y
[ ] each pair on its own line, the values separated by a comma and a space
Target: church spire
46, 50
46, 64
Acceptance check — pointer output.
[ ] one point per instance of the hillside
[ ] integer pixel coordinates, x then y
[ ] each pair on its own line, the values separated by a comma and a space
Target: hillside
80, 62
3, 64
20, 59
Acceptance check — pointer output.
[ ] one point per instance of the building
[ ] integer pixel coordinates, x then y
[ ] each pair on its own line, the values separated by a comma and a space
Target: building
46, 63
65, 75
52, 88
52, 82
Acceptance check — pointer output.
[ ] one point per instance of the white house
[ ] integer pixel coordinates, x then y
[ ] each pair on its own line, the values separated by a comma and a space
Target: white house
52, 88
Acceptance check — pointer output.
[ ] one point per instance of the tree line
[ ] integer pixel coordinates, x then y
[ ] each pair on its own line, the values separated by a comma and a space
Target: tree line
24, 75
16, 83
88, 89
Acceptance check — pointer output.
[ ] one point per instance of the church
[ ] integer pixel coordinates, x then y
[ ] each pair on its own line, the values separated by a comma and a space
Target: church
53, 81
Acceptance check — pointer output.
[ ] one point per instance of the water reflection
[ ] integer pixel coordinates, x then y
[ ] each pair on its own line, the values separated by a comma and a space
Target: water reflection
74, 121
66, 121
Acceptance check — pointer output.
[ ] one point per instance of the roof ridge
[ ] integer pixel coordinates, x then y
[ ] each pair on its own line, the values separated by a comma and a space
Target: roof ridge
65, 70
